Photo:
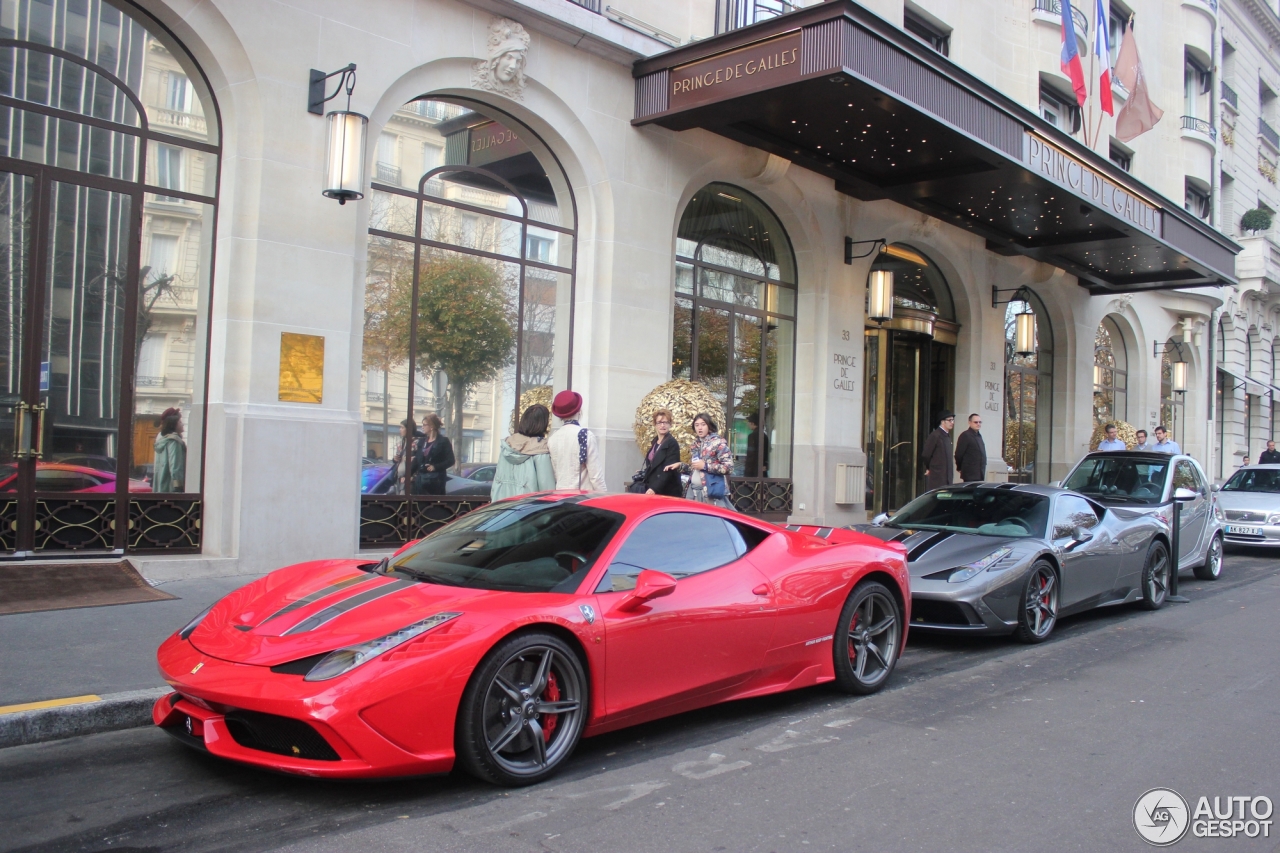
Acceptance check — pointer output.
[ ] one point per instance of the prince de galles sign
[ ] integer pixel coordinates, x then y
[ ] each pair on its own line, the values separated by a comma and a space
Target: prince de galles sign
1054, 164
762, 65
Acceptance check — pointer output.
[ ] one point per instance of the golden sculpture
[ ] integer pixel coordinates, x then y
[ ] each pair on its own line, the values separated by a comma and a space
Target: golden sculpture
531, 397
684, 399
1127, 433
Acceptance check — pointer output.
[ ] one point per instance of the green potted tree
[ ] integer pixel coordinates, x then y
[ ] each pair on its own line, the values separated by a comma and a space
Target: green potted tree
1258, 219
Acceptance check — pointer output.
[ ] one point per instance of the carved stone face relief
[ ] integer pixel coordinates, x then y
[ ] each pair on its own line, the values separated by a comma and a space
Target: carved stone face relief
503, 71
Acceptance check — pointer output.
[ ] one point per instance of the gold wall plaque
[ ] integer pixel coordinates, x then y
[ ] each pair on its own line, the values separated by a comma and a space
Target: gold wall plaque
301, 368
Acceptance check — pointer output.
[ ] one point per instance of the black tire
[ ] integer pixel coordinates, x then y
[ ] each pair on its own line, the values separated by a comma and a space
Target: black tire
1212, 568
1039, 612
1155, 576
501, 735
867, 639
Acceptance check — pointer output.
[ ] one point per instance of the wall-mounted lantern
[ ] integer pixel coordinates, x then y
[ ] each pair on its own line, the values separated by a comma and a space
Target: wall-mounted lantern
1177, 369
1179, 378
880, 296
346, 136
1024, 328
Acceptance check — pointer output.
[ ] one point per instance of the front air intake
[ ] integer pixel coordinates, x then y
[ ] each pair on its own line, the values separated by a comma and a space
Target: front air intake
279, 735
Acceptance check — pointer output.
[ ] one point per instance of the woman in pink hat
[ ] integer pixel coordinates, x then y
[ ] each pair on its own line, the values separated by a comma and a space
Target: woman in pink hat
575, 459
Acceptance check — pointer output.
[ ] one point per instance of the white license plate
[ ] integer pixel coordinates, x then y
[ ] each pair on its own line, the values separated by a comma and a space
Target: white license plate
1244, 531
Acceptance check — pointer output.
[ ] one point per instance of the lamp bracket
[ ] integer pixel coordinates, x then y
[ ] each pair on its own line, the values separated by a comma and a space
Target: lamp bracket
849, 243
1159, 348
1020, 294
316, 97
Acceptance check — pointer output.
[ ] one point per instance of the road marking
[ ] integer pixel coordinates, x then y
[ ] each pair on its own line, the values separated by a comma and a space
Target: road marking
840, 724
635, 792
787, 740
715, 766
49, 703
506, 824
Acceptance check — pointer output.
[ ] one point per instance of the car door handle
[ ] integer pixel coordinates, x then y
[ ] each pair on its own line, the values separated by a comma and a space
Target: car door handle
762, 589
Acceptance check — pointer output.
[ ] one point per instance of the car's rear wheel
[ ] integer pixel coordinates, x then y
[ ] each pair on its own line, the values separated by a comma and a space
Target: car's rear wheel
1212, 568
1155, 576
1039, 611
867, 638
523, 711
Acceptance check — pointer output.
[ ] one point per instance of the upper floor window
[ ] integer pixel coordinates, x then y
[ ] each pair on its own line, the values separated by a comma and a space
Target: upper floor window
931, 32
1117, 17
1197, 82
1060, 111
1198, 200
1121, 156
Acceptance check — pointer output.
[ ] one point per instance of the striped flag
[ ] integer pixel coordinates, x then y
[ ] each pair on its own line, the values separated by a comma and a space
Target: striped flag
1102, 47
1071, 55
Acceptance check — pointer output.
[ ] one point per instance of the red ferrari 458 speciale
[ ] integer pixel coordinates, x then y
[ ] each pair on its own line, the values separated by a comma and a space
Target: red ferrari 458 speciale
500, 640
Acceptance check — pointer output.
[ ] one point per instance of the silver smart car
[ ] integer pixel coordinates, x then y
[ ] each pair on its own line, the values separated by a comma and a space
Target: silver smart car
1250, 499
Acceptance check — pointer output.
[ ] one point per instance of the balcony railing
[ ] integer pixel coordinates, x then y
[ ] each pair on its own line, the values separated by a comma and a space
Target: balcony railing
592, 5
735, 14
189, 122
1268, 133
1229, 95
1054, 7
149, 381
1199, 125
385, 173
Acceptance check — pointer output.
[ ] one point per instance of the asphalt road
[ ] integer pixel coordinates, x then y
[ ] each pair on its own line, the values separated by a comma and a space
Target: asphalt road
980, 745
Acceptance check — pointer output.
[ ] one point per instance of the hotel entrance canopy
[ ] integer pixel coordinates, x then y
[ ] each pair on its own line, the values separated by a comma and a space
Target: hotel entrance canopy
842, 92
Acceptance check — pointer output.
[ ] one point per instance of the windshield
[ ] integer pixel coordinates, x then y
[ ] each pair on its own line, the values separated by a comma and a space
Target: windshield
525, 546
1254, 480
987, 512
1111, 478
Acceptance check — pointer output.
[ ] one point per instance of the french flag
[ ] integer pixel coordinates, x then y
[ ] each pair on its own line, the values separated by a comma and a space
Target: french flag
1102, 47
1071, 55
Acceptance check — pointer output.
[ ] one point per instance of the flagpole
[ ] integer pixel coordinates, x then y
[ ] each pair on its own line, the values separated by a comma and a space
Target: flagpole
1093, 82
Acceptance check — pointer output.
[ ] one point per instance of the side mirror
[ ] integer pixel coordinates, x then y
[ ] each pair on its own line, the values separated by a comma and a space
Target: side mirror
650, 584
1080, 534
1217, 487
880, 519
1184, 495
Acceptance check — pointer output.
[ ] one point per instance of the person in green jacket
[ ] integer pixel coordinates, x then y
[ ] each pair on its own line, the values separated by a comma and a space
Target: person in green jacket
524, 464
171, 454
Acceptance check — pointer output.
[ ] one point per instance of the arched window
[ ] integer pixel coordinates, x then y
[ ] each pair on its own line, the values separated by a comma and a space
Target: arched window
1110, 374
468, 295
1172, 403
735, 308
1028, 396
109, 164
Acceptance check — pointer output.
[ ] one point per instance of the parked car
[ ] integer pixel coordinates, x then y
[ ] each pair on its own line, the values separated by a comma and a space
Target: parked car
377, 479
988, 558
1147, 482
60, 477
481, 472
497, 642
1250, 501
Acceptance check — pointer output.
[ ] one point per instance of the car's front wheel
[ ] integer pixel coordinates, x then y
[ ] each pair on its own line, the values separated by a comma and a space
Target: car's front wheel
523, 711
1212, 568
1039, 611
867, 638
1155, 576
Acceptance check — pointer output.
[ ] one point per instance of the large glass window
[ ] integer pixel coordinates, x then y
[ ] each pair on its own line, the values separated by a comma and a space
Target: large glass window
1028, 381
735, 327
1172, 404
469, 284
1110, 374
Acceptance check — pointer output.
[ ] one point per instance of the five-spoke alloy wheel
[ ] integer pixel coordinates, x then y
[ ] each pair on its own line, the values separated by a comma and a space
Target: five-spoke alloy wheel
868, 638
1040, 605
523, 711
1212, 568
1155, 576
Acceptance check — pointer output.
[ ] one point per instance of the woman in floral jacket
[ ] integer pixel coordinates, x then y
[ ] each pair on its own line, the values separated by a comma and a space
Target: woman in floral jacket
710, 456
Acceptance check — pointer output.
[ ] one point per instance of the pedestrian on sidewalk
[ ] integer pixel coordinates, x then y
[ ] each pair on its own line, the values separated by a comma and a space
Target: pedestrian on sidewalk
575, 460
1165, 443
1112, 442
435, 457
971, 452
170, 471
936, 455
1270, 456
661, 471
711, 463
1143, 444
524, 465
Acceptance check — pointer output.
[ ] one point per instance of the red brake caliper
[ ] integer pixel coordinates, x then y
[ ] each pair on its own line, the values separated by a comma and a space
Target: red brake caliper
551, 694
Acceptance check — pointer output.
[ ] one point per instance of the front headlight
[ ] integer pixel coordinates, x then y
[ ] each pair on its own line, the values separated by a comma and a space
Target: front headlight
195, 623
343, 661
963, 573
1274, 519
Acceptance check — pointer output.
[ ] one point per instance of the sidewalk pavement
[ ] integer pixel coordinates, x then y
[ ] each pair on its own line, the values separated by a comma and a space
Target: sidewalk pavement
102, 658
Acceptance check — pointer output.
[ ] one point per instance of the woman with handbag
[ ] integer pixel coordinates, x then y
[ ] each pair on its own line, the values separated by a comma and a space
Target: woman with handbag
435, 456
711, 464
660, 474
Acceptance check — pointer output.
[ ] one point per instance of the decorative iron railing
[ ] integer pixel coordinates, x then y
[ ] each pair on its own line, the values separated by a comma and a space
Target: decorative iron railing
1054, 7
765, 498
735, 14
1268, 133
389, 521
1199, 125
1230, 97
387, 174
157, 524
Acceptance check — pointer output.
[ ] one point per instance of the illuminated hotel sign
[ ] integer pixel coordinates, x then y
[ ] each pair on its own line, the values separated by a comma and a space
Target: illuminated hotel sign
758, 66
1051, 162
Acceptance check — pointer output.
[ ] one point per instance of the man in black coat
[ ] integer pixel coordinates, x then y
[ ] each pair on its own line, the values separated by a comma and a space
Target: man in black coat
971, 452
936, 455
1270, 456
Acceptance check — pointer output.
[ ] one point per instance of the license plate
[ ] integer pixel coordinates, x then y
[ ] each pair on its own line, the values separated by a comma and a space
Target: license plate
1237, 530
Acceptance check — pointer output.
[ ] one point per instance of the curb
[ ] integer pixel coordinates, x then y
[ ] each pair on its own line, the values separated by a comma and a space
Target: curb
112, 712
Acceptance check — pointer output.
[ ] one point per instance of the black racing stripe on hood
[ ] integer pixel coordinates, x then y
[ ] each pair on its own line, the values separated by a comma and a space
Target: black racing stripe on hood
334, 611
317, 595
917, 548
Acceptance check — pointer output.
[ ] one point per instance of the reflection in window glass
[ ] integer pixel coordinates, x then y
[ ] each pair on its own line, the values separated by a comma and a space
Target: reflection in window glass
677, 543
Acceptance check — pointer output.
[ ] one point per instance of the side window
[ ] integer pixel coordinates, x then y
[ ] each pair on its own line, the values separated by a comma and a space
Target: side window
1185, 477
1070, 513
678, 543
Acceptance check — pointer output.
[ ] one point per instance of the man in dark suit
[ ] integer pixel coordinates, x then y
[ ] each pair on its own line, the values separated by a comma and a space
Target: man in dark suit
936, 455
971, 452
